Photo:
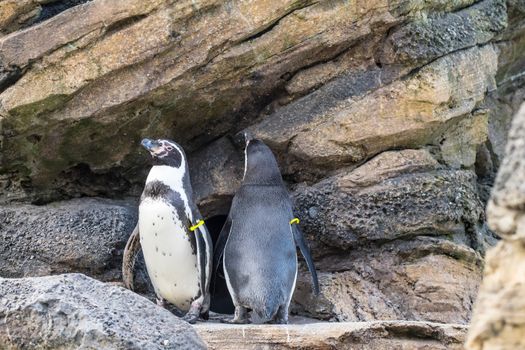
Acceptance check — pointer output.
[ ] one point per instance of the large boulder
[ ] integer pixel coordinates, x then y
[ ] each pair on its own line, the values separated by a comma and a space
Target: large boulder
76, 312
80, 235
397, 238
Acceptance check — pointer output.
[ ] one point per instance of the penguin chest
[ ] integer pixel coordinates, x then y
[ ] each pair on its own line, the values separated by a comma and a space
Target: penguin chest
170, 259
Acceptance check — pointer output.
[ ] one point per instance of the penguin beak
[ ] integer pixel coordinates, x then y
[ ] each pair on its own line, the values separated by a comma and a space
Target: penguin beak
150, 145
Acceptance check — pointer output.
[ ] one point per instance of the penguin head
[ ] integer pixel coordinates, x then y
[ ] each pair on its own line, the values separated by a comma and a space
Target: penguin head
260, 166
164, 152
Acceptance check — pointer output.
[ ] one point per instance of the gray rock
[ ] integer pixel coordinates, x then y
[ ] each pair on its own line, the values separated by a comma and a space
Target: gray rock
382, 234
349, 210
422, 278
438, 34
73, 311
81, 235
216, 173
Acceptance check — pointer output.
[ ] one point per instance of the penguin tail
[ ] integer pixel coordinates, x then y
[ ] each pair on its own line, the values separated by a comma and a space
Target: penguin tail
264, 315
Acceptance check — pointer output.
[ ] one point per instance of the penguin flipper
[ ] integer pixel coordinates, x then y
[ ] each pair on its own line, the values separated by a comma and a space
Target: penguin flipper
204, 257
128, 259
221, 243
303, 246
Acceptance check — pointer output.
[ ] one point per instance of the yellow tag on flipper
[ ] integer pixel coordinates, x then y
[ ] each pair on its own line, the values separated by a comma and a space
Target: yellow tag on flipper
197, 225
294, 221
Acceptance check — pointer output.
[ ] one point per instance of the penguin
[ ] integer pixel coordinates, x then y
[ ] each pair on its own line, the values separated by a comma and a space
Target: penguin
176, 245
258, 241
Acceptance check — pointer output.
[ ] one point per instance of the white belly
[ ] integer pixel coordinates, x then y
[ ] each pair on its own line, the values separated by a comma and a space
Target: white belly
171, 264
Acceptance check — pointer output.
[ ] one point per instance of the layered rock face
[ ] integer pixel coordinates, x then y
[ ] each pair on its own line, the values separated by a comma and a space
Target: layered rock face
388, 119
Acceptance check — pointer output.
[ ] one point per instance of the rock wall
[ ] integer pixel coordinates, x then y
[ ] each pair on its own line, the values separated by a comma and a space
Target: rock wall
388, 119
498, 321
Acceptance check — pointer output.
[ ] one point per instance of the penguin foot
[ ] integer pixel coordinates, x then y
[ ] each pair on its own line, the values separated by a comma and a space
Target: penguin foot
279, 321
282, 316
193, 314
235, 321
241, 316
190, 317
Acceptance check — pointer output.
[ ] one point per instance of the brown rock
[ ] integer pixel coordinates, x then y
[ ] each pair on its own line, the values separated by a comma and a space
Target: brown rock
408, 113
112, 72
216, 173
397, 238
499, 320
424, 279
504, 210
340, 213
12, 12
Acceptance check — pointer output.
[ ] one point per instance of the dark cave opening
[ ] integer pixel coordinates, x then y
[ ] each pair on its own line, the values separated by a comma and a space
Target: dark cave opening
221, 301
51, 9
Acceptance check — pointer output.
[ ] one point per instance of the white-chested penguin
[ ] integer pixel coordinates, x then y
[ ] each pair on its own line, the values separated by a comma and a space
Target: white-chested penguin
175, 242
258, 242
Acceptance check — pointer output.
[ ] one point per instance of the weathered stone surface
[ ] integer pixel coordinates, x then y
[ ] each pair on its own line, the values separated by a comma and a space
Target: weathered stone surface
461, 141
20, 14
397, 238
498, 321
407, 113
499, 316
76, 312
374, 204
393, 113
424, 279
380, 335
82, 235
437, 34
216, 173
111, 72
505, 208
12, 12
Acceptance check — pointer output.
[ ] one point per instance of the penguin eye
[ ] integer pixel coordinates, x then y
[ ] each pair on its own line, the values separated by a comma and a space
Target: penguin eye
169, 148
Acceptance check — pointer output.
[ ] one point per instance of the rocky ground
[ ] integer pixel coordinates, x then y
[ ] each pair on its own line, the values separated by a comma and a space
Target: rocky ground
305, 334
389, 120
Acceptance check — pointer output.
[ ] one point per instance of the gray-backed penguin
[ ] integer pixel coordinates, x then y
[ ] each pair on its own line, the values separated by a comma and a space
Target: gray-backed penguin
175, 242
258, 242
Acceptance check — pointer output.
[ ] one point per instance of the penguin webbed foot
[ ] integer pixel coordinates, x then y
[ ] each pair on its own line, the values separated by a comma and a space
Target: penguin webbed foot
190, 317
193, 314
240, 317
235, 321
281, 317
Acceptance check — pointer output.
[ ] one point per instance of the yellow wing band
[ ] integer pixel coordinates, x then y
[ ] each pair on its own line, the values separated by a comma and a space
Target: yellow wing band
294, 221
197, 225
